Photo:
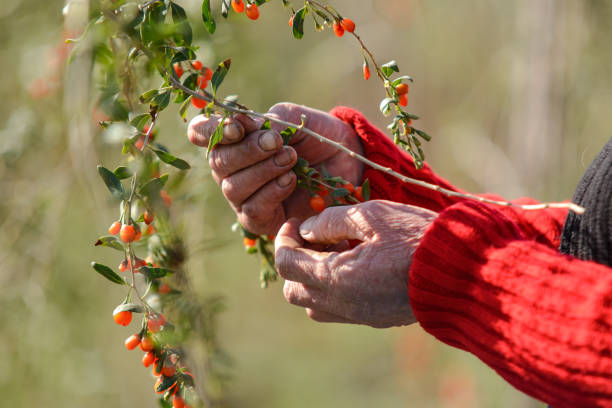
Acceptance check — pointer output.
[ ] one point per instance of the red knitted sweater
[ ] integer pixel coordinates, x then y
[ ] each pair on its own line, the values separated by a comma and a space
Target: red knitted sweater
489, 280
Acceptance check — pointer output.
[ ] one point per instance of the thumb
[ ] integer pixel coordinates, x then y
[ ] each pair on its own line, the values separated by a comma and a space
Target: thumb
335, 224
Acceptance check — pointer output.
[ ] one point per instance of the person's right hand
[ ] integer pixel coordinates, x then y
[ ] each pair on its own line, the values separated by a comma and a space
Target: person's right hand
253, 167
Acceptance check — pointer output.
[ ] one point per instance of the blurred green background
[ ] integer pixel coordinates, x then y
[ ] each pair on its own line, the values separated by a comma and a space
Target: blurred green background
516, 94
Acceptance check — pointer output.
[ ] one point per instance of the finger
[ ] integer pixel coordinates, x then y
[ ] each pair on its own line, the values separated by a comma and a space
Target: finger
335, 224
324, 317
249, 124
263, 212
301, 295
295, 263
225, 160
242, 184
201, 129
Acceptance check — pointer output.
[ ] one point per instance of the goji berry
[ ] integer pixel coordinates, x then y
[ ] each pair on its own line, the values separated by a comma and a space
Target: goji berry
178, 402
317, 203
349, 187
366, 71
114, 228
322, 191
128, 233
138, 235
338, 29
123, 318
249, 242
403, 100
132, 342
123, 266
198, 103
178, 69
164, 288
148, 358
148, 217
402, 89
238, 6
146, 343
291, 21
155, 323
197, 65
168, 371
358, 193
167, 199
208, 73
156, 372
202, 82
348, 24
252, 11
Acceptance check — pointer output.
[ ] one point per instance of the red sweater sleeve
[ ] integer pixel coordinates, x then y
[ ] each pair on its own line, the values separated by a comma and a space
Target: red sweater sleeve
542, 320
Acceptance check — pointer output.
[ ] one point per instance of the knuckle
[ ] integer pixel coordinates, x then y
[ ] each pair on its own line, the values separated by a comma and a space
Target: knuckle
290, 293
283, 109
218, 160
229, 189
253, 212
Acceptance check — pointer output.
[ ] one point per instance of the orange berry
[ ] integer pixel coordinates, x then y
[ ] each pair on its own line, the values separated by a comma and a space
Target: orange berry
168, 371
148, 358
164, 288
271, 237
403, 100
138, 235
366, 71
291, 21
155, 323
198, 103
123, 318
249, 242
178, 69
358, 193
132, 342
178, 402
252, 11
338, 29
114, 228
128, 233
148, 217
402, 89
238, 6
202, 82
348, 24
322, 191
197, 65
156, 372
208, 73
146, 343
150, 230
317, 203
123, 266
167, 199
349, 187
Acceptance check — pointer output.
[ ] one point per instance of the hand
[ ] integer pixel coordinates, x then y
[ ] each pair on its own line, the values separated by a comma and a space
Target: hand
364, 285
253, 167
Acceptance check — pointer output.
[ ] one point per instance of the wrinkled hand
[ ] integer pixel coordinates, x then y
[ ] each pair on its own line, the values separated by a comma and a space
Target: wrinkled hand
364, 285
253, 167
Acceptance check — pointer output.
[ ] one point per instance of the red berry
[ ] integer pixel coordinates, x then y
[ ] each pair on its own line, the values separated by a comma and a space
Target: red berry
168, 371
348, 24
156, 372
147, 344
128, 233
114, 228
238, 6
132, 342
178, 69
155, 323
249, 242
208, 73
197, 65
167, 199
252, 11
202, 82
198, 103
123, 318
358, 193
291, 21
138, 235
148, 358
338, 29
123, 266
403, 100
402, 89
322, 191
317, 203
366, 71
178, 402
349, 187
164, 288
148, 217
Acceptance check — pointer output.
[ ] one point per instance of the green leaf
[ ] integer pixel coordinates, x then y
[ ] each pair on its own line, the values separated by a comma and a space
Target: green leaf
140, 121
111, 242
184, 107
179, 17
399, 80
108, 273
122, 172
171, 160
298, 23
162, 100
287, 134
219, 74
385, 105
209, 22
148, 96
182, 54
389, 68
225, 5
111, 181
128, 307
266, 125
164, 404
155, 273
216, 137
154, 186
365, 190
166, 383
339, 192
423, 134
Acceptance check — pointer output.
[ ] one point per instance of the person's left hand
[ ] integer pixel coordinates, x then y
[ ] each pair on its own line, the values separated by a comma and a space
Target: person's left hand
364, 285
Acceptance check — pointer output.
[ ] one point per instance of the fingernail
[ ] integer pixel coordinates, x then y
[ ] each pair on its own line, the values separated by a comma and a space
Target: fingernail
306, 226
231, 131
282, 158
285, 180
268, 141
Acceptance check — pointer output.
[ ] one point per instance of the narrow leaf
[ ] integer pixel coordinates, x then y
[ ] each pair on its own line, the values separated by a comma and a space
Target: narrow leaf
215, 138
209, 22
128, 307
385, 106
110, 242
365, 190
219, 74
389, 68
171, 160
108, 273
155, 273
298, 23
154, 186
266, 125
111, 181
179, 17
287, 134
148, 96
140, 121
